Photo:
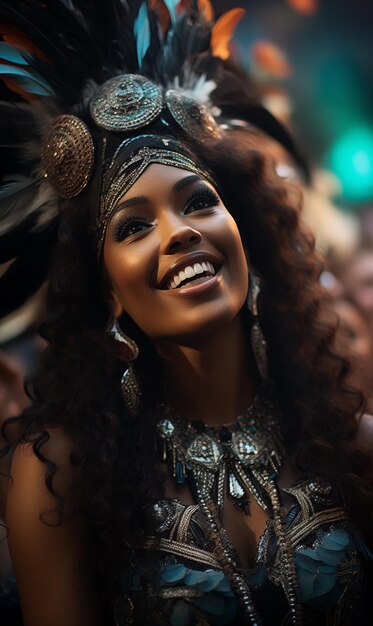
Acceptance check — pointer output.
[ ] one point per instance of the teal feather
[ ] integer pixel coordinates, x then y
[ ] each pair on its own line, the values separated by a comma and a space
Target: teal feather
330, 557
173, 573
171, 7
306, 581
317, 569
182, 614
338, 539
194, 577
27, 79
212, 603
142, 32
214, 581
11, 54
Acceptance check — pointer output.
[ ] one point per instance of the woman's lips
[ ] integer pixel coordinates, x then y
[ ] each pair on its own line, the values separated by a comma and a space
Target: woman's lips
186, 267
191, 273
195, 287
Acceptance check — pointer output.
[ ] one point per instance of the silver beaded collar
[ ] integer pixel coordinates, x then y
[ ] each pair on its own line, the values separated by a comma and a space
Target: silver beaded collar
237, 456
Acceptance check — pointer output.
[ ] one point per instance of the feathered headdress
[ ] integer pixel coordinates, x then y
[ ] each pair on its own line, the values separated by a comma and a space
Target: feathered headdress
128, 63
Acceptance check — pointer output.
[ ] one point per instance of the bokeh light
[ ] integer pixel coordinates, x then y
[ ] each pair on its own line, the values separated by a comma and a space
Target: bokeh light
351, 159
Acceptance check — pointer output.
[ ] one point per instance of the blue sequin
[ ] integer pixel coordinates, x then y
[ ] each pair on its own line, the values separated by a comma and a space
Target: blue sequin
317, 569
216, 599
179, 473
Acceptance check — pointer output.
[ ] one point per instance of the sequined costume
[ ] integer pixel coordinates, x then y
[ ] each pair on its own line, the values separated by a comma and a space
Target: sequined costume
195, 584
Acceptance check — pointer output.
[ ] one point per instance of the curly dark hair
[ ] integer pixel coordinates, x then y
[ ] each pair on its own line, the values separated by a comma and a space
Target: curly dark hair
77, 386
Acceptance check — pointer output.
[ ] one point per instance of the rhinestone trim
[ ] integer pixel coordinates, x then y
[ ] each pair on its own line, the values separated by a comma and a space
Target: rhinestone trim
130, 171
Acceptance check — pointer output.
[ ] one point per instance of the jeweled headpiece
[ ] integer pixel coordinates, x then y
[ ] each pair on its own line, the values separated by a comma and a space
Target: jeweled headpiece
124, 104
91, 94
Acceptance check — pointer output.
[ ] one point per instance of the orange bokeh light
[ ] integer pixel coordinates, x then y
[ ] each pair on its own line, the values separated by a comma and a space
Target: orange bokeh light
308, 7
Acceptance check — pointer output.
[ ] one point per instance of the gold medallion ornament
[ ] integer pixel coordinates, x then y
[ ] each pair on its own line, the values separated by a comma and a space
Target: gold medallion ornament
126, 102
192, 116
67, 154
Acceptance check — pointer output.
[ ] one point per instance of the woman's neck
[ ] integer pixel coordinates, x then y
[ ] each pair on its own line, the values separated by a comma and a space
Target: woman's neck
212, 380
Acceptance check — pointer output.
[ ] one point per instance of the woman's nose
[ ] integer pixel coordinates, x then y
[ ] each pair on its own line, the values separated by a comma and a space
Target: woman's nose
178, 236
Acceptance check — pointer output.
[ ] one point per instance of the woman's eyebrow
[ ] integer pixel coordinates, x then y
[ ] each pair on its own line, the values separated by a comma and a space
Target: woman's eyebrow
188, 180
178, 186
132, 202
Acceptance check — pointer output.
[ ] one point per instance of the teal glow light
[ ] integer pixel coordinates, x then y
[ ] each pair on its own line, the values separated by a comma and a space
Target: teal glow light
351, 159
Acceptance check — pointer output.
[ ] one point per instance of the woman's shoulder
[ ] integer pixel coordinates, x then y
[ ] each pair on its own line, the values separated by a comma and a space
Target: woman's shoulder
32, 464
44, 535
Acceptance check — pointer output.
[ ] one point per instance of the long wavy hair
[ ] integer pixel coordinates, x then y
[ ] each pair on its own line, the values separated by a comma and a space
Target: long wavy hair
77, 386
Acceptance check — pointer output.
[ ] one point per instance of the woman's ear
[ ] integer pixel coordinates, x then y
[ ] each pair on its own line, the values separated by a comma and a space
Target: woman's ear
111, 297
247, 258
116, 305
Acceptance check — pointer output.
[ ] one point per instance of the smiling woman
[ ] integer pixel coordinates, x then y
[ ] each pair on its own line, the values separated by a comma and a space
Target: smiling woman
175, 250
191, 454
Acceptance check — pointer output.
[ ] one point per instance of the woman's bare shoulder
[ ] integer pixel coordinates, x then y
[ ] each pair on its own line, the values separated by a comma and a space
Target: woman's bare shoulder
45, 540
31, 465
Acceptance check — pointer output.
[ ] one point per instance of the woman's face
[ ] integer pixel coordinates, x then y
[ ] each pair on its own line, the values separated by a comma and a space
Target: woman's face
354, 341
174, 256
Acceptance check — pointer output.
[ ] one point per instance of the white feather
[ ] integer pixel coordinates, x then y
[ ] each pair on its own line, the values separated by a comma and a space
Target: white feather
197, 87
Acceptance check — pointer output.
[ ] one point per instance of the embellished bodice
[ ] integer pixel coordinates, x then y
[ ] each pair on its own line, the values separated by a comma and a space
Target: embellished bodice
310, 568
330, 560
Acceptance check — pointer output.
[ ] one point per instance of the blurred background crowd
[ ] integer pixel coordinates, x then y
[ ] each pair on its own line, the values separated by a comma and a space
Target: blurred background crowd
311, 63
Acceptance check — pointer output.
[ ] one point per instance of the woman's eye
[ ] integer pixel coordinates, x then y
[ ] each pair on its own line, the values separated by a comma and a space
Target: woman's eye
201, 200
130, 226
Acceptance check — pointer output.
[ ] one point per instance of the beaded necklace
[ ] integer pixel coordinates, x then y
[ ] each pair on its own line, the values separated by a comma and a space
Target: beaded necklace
236, 458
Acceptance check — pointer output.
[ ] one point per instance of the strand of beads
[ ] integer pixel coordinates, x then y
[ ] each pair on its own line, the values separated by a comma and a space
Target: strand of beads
227, 562
285, 547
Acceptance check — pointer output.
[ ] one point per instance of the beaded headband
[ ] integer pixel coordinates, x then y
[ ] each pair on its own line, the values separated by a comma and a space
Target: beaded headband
124, 104
130, 160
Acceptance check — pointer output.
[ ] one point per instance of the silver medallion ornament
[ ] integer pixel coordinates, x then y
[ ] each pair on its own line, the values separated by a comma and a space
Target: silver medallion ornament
240, 457
192, 116
67, 155
126, 103
165, 428
205, 451
245, 448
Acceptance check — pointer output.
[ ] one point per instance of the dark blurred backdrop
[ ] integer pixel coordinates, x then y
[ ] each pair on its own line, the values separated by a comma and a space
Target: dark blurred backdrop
328, 45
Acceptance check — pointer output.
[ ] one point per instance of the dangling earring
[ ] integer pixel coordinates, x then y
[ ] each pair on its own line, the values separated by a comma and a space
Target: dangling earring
128, 351
258, 343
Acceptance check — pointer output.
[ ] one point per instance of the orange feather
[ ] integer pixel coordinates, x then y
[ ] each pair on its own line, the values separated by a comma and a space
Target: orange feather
14, 36
223, 30
206, 9
163, 15
12, 86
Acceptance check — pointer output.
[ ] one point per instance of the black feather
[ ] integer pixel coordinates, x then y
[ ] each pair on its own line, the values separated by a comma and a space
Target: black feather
239, 98
29, 270
189, 37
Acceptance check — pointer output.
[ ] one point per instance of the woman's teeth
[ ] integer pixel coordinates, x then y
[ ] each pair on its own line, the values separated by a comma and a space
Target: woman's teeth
189, 272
